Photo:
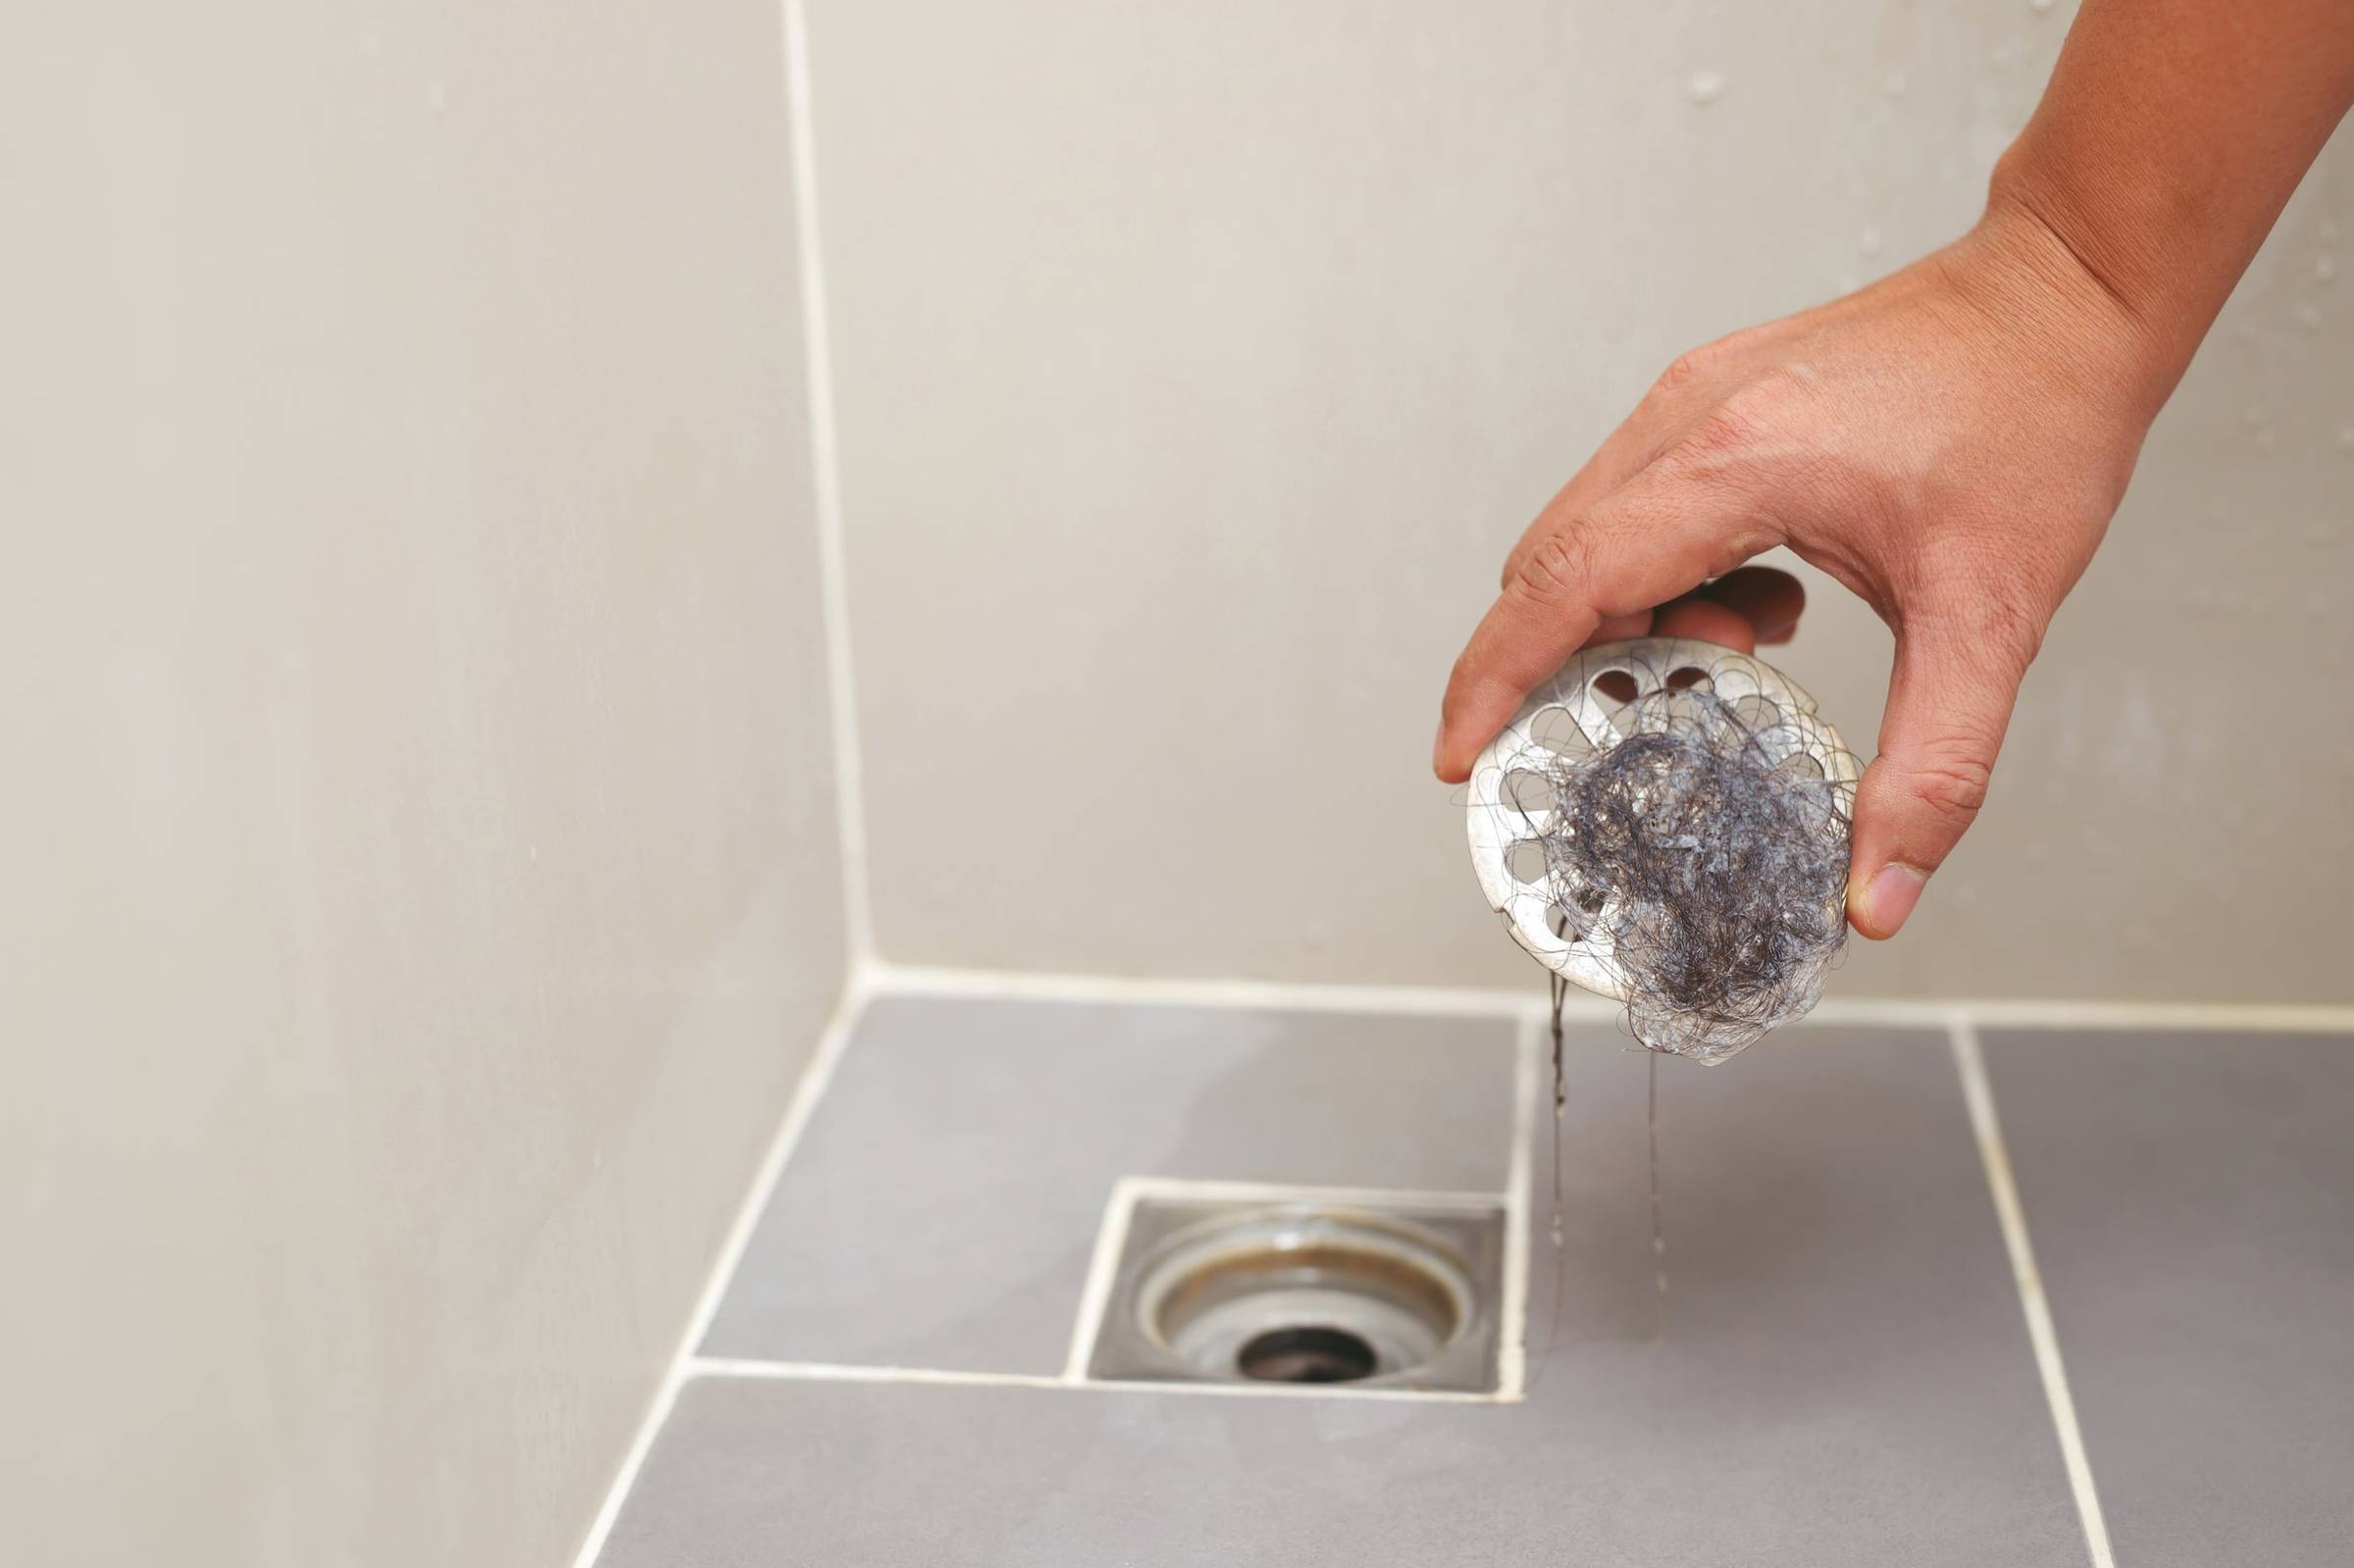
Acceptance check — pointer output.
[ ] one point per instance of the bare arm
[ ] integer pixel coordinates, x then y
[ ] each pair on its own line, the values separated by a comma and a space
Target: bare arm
2172, 134
1950, 443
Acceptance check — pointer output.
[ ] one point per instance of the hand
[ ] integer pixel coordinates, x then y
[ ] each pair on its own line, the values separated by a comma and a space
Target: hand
1949, 444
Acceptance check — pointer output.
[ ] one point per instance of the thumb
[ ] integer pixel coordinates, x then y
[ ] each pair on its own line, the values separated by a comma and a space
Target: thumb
1949, 702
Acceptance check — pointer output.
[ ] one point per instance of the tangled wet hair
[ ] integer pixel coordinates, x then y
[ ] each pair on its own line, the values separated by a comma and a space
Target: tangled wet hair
1689, 845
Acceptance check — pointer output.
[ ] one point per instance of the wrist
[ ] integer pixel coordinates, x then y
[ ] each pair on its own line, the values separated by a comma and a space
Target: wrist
2030, 264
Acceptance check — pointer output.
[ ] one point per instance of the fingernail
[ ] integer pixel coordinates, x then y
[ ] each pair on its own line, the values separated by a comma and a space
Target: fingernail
1895, 888
1438, 747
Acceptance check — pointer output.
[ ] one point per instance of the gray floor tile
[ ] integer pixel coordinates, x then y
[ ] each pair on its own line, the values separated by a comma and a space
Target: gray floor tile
1839, 1328
2191, 1198
943, 1203
1841, 1377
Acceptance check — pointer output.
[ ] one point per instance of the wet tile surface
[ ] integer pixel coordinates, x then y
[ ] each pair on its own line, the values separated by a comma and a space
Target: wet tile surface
943, 1203
2191, 1198
1839, 1373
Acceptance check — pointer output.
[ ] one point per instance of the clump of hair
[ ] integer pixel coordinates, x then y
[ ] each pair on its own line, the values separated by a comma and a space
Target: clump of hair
1707, 852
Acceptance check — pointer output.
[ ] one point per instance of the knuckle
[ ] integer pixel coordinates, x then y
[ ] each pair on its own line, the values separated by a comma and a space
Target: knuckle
1558, 570
1767, 400
1738, 426
1726, 432
1682, 371
1694, 364
1952, 781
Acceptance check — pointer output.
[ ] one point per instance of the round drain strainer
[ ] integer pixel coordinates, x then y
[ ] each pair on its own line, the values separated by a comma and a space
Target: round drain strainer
1300, 1294
1602, 695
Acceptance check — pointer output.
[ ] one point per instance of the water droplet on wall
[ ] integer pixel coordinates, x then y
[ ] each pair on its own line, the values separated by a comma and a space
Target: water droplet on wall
1706, 86
2345, 437
2311, 315
2041, 5
2324, 268
1895, 84
1869, 242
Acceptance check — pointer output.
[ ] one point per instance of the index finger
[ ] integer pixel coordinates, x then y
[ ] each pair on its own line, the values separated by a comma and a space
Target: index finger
1656, 537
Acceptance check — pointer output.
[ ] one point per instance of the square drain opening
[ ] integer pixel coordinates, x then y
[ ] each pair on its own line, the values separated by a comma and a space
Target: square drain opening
1347, 1289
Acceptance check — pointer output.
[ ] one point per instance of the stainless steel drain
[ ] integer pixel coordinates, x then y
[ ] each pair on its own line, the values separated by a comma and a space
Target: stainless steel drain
1360, 1293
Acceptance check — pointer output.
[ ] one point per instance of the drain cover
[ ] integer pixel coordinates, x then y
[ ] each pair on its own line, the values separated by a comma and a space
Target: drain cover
1338, 1289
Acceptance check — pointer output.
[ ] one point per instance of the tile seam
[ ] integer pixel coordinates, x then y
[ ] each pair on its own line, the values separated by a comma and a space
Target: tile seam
1977, 1092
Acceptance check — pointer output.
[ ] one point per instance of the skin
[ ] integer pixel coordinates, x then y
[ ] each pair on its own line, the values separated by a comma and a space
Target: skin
1950, 443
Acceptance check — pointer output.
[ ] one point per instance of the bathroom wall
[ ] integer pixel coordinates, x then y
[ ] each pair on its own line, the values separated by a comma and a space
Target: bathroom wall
1199, 363
419, 851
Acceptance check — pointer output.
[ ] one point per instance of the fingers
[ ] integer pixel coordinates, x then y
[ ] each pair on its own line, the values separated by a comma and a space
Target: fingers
1680, 395
1621, 456
1706, 621
1745, 607
1654, 537
1618, 628
1948, 705
1770, 600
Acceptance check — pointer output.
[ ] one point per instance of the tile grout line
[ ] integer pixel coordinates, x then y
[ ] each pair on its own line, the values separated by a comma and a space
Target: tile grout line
825, 477
1276, 995
815, 1079
1112, 1235
1977, 1092
1511, 1337
1010, 985
720, 1368
1185, 1187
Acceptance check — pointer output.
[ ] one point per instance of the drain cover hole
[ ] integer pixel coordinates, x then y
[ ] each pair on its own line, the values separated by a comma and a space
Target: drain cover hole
1306, 1355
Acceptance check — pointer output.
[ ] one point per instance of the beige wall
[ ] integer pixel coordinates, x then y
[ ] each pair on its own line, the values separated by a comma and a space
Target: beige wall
421, 890
1197, 363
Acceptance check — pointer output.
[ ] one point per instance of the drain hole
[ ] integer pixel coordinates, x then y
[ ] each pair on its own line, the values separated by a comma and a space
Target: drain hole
1314, 1291
1306, 1355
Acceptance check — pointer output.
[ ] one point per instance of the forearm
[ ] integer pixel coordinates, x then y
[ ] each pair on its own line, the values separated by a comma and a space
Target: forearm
2171, 135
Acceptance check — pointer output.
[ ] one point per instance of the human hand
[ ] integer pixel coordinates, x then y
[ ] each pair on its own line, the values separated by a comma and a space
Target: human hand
1949, 444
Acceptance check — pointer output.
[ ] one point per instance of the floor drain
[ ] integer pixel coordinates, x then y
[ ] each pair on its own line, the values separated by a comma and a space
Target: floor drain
1338, 1290
1306, 1355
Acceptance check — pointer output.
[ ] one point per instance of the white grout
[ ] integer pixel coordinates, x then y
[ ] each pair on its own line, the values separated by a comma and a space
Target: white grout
811, 1087
825, 466
1183, 1188
1511, 1334
2262, 1018
1101, 1266
1978, 1093
826, 1372
1274, 996
1006, 984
